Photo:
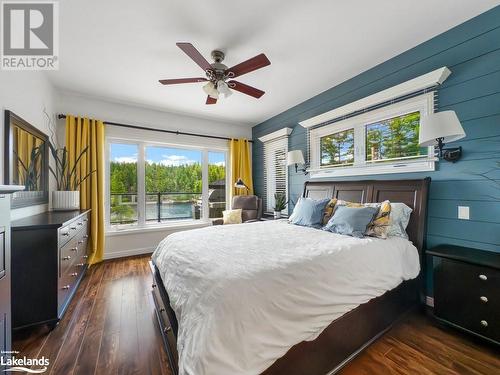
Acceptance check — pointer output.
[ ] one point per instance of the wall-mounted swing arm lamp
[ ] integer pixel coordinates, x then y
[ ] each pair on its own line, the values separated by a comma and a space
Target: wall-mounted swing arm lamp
296, 157
441, 128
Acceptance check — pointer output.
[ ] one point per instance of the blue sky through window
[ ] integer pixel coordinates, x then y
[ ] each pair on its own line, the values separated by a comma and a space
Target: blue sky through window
127, 153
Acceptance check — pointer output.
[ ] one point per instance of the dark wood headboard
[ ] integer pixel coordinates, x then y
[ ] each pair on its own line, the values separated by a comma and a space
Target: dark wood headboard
413, 193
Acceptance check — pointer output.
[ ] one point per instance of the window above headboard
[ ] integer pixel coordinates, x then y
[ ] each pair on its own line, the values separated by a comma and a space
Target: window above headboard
384, 140
377, 134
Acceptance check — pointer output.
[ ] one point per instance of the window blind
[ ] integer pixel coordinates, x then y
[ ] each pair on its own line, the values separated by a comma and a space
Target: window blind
275, 171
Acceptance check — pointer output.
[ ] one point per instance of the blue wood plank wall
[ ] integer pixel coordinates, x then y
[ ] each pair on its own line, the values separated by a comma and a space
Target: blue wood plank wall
472, 52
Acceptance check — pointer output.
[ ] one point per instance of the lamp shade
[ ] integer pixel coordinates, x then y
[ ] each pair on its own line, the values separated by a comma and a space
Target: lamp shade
223, 88
444, 125
295, 157
239, 184
210, 90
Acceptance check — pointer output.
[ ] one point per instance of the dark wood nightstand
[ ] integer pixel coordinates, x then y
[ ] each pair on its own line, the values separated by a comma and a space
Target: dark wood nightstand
467, 289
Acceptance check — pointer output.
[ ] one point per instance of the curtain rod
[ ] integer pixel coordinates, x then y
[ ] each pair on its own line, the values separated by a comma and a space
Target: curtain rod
176, 132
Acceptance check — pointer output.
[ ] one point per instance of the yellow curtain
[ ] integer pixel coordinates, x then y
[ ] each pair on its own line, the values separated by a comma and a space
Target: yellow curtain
241, 165
81, 133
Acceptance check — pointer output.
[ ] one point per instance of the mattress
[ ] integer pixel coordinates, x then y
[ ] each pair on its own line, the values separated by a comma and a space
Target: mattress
245, 294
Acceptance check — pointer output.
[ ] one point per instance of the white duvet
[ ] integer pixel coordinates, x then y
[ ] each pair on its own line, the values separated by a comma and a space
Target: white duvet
245, 294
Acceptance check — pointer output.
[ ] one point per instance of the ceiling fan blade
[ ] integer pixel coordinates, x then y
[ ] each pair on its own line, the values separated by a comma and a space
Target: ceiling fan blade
210, 100
195, 55
248, 66
181, 80
245, 89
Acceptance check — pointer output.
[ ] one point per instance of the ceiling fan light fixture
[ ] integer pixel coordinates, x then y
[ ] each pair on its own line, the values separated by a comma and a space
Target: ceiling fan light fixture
223, 88
211, 91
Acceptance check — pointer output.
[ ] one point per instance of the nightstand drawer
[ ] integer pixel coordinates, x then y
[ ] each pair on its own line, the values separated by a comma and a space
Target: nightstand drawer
467, 296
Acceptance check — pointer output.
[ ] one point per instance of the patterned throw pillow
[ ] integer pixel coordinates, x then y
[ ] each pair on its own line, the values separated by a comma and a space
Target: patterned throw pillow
330, 207
379, 226
232, 216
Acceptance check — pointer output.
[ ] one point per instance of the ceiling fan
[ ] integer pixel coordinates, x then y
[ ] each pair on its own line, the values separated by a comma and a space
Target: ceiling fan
219, 77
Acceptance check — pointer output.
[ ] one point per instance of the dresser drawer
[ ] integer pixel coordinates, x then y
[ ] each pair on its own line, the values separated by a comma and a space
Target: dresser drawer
467, 295
67, 283
68, 232
75, 249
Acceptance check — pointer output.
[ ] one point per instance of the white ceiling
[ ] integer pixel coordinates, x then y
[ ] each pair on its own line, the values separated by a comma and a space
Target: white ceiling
118, 49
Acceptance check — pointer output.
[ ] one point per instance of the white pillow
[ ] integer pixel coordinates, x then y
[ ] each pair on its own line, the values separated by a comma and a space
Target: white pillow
232, 216
399, 219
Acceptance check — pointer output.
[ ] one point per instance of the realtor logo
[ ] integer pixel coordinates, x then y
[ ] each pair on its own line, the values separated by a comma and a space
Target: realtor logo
30, 35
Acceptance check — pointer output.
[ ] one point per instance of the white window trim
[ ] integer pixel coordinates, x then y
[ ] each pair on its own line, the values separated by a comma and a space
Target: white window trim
436, 77
423, 103
141, 193
281, 134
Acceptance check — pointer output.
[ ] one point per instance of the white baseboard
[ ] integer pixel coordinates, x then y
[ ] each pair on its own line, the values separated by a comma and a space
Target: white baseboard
128, 253
429, 301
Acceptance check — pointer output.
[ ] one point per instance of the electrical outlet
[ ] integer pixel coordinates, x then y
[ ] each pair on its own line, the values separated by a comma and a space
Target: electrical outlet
463, 212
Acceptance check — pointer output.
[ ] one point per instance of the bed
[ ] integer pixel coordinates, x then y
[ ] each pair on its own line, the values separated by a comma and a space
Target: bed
266, 305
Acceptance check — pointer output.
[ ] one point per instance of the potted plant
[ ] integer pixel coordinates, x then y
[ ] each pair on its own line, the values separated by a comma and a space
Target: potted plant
67, 196
280, 203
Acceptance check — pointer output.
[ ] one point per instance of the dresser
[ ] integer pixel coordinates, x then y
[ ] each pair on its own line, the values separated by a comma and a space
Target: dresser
49, 259
5, 269
467, 289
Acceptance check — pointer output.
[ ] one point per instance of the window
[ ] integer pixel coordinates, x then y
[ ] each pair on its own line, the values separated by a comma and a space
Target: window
216, 184
394, 138
152, 184
338, 148
173, 184
384, 140
275, 168
123, 184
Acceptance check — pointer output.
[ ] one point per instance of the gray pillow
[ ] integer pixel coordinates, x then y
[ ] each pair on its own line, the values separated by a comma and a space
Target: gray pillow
308, 212
351, 221
399, 219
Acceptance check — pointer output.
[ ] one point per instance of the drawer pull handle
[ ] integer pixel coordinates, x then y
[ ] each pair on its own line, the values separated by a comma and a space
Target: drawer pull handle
74, 249
85, 236
153, 286
79, 264
73, 228
483, 277
65, 287
67, 257
85, 256
85, 220
80, 242
167, 329
484, 323
65, 234
483, 299
162, 310
74, 274
79, 223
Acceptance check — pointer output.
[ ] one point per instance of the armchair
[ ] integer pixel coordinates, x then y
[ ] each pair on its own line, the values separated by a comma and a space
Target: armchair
251, 208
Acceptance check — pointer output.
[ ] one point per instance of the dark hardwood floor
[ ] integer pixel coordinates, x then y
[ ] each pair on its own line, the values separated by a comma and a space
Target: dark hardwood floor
110, 328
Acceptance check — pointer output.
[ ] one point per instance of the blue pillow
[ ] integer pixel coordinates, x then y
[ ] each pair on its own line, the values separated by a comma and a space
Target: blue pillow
308, 212
351, 221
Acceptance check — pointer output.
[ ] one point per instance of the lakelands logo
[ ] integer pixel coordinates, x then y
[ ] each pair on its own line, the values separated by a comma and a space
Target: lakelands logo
30, 35
13, 364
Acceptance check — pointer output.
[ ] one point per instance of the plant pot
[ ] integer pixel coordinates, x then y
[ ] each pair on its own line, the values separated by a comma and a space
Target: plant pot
277, 214
65, 200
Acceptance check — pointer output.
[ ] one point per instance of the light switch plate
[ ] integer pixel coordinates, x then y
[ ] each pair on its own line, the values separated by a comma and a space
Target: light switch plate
463, 212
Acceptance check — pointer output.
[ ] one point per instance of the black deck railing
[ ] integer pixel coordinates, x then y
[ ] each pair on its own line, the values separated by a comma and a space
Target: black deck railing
127, 217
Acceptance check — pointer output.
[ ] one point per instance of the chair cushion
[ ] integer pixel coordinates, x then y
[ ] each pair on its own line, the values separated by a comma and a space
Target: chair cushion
246, 202
248, 215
